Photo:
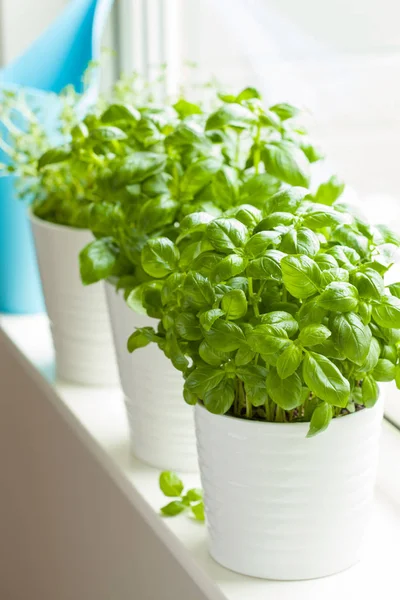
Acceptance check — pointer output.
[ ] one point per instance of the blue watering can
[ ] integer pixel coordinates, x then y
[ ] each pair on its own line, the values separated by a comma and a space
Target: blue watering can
57, 59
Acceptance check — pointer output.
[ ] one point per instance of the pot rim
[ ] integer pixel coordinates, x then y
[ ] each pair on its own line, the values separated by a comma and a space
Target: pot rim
299, 424
55, 226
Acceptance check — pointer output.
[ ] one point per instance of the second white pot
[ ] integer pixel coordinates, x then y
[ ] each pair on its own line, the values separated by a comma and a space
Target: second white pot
78, 315
283, 506
161, 423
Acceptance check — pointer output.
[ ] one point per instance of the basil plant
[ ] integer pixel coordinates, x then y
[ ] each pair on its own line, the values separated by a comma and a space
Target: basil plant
277, 312
152, 166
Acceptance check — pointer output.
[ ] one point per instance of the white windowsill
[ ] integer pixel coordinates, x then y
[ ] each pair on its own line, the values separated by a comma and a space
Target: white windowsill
101, 412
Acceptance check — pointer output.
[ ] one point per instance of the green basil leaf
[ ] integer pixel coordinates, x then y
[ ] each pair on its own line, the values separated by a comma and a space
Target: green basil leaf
204, 379
189, 397
351, 336
248, 94
198, 511
331, 275
247, 214
244, 356
372, 357
289, 361
198, 175
286, 393
258, 243
388, 236
285, 111
322, 218
225, 336
220, 399
170, 484
321, 417
208, 318
212, 356
258, 189
225, 186
281, 319
389, 352
384, 370
193, 223
120, 112
325, 380
268, 341
348, 237
186, 109
54, 155
311, 312
160, 256
198, 291
326, 262
339, 296
276, 219
173, 508
234, 305
187, 326
329, 191
329, 349
286, 162
287, 200
395, 289
313, 334
345, 256
137, 167
107, 133
370, 391
300, 241
156, 213
226, 234
231, 115
141, 338
301, 275
387, 313
98, 260
228, 267
266, 267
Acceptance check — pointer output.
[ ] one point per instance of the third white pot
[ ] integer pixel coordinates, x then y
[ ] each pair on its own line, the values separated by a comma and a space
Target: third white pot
283, 506
161, 423
78, 315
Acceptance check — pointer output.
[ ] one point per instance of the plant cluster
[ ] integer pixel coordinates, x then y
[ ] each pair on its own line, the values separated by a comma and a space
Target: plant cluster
278, 313
172, 161
172, 487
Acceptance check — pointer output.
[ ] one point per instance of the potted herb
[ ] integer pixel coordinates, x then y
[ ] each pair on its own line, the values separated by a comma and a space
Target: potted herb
59, 216
175, 161
282, 327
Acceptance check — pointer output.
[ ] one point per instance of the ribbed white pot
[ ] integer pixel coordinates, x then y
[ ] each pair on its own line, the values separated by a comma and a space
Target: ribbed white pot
161, 423
283, 506
78, 314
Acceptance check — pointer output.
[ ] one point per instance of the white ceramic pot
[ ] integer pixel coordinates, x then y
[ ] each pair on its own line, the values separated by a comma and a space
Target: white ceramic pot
283, 506
161, 423
78, 314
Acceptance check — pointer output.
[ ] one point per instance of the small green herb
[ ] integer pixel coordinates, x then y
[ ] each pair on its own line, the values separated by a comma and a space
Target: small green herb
192, 500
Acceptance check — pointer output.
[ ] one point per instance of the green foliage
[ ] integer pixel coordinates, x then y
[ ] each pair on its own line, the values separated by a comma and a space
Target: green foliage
271, 299
192, 500
280, 331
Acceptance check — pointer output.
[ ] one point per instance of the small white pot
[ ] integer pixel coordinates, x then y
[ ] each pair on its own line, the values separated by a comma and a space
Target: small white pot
161, 423
78, 314
283, 506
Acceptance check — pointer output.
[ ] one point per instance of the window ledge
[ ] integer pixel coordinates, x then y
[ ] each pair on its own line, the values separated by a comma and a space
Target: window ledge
100, 411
